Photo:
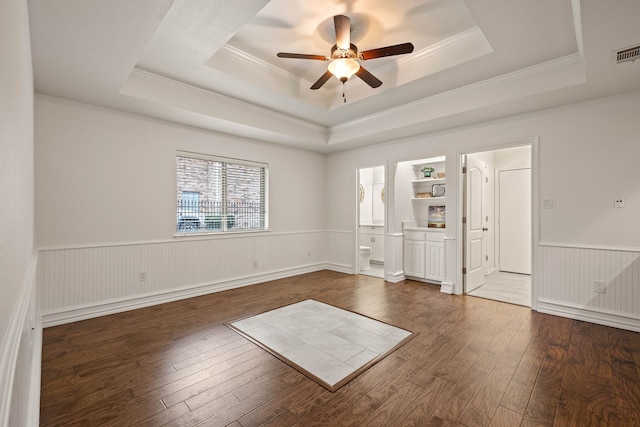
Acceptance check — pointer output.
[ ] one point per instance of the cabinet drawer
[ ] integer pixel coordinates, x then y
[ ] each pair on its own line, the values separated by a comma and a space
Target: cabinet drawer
434, 237
414, 235
376, 231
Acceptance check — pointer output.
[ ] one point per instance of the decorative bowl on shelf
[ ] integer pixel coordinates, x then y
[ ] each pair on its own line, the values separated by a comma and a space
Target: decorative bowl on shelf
427, 171
423, 195
441, 174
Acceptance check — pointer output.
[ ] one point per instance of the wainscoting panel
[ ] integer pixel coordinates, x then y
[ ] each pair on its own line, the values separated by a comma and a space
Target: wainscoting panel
448, 284
89, 279
394, 257
340, 251
568, 284
20, 358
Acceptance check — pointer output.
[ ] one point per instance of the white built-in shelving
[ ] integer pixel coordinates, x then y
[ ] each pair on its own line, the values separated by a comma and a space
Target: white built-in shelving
424, 243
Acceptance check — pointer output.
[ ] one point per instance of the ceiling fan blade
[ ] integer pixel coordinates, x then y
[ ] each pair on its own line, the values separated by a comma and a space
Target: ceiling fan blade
368, 78
322, 80
302, 56
343, 31
398, 49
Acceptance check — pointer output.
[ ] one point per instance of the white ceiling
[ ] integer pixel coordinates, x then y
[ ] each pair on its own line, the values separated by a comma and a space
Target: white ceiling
213, 64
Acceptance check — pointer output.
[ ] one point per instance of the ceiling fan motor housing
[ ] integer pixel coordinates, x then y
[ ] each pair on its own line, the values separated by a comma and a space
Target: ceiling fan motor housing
351, 53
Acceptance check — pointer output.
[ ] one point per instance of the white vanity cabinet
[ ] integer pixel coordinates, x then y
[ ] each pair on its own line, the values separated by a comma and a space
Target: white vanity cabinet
424, 255
414, 254
373, 237
434, 257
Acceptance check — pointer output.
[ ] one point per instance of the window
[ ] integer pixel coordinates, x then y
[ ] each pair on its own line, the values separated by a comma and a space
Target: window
220, 195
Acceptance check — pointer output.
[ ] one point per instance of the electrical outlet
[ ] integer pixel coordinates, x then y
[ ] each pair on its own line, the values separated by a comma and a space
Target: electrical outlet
549, 203
255, 263
142, 275
618, 202
599, 286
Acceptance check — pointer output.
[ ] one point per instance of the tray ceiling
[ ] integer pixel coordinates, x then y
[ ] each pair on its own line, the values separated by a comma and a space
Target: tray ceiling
213, 64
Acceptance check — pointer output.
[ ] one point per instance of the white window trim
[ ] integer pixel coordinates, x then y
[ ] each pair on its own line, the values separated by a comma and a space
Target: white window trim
220, 234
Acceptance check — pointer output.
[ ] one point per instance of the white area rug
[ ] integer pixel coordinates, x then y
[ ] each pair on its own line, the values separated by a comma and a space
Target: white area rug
328, 344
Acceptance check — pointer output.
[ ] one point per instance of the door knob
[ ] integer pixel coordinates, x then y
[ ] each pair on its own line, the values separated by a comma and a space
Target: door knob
485, 229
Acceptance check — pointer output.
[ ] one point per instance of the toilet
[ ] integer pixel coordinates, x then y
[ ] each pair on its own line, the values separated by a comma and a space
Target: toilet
365, 255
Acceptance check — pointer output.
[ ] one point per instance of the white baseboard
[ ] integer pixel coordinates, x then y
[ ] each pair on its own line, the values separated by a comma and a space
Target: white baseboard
396, 277
36, 374
446, 287
339, 268
10, 345
589, 314
104, 308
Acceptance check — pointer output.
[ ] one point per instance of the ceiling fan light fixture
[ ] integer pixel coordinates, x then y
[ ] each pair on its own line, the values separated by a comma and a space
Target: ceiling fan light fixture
343, 57
344, 68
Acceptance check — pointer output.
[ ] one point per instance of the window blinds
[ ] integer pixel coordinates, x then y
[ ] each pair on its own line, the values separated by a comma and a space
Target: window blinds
232, 194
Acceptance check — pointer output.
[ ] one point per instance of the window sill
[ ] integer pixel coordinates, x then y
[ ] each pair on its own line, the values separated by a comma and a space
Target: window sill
220, 234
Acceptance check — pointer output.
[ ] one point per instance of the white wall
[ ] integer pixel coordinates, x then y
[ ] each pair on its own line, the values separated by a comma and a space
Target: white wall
104, 176
513, 158
105, 192
587, 155
17, 258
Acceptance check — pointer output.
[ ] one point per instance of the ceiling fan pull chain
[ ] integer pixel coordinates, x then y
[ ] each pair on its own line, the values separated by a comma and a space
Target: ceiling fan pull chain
344, 96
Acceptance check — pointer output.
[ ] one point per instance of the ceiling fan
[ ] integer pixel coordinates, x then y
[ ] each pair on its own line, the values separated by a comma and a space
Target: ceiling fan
344, 56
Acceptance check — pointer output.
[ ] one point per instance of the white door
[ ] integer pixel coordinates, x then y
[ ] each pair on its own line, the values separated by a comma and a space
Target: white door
474, 226
515, 221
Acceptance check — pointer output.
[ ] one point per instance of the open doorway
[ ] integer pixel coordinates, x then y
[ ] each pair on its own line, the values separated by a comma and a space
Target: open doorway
497, 224
371, 220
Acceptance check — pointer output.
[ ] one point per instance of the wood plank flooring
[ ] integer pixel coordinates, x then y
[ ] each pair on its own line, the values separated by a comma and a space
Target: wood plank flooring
475, 362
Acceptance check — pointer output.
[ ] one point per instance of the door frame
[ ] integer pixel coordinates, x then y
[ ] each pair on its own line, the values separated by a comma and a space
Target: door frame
533, 142
466, 228
388, 193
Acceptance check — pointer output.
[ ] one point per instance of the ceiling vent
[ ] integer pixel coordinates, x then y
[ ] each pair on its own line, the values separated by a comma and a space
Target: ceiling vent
629, 54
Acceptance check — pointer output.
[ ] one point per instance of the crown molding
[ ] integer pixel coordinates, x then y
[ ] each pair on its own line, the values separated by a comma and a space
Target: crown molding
453, 51
541, 78
276, 78
176, 94
552, 75
470, 36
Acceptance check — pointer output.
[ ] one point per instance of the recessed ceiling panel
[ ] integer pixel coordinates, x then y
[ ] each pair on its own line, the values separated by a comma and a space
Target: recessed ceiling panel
434, 27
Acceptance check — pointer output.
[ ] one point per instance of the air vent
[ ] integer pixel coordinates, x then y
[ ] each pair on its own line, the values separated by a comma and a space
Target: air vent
630, 54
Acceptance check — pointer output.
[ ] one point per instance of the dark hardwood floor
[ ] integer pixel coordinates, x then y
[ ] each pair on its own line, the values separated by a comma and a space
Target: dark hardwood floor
474, 362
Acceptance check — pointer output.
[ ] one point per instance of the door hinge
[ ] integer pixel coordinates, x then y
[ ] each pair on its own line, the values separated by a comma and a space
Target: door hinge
464, 219
486, 257
464, 169
464, 270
